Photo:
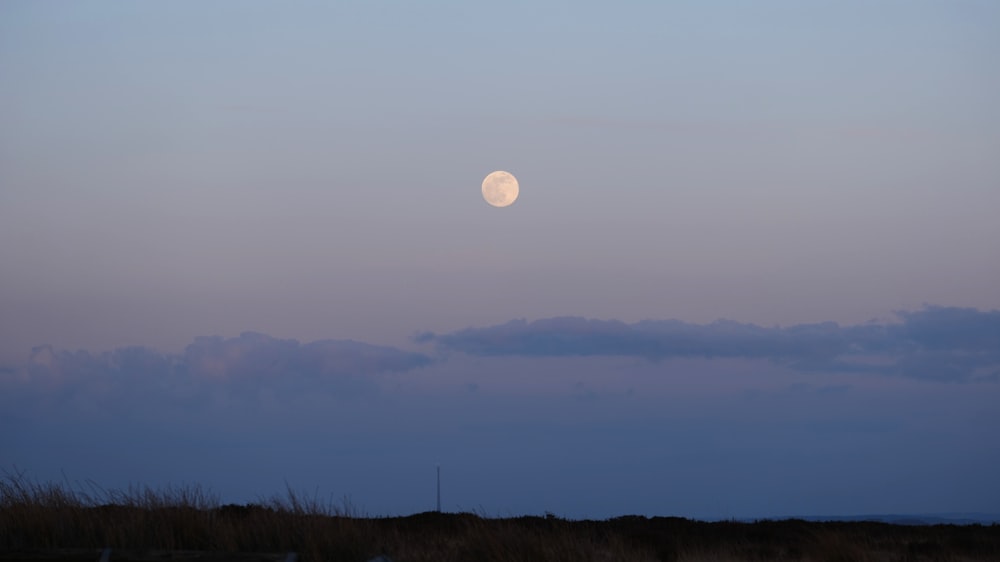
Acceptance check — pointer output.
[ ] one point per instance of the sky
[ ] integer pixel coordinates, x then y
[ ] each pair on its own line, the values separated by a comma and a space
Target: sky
752, 271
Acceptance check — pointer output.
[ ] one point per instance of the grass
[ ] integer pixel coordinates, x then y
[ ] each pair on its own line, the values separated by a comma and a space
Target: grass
40, 520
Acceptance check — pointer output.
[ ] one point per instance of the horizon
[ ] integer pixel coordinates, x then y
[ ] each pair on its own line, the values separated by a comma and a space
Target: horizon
750, 268
173, 493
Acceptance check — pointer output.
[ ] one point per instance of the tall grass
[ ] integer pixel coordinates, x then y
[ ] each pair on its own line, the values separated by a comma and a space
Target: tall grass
39, 516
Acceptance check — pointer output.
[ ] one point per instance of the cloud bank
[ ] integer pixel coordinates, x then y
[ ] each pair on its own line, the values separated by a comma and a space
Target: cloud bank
248, 362
933, 344
936, 343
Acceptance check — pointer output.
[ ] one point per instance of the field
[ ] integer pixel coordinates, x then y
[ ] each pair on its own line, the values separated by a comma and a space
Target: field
57, 522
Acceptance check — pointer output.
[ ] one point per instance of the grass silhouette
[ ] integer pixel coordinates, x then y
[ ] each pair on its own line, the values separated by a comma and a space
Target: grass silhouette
51, 521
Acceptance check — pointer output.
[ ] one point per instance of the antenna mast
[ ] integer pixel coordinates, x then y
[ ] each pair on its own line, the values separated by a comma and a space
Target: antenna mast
439, 489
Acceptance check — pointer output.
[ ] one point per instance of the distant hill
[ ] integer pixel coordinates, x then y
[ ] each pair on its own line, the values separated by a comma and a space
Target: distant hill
913, 519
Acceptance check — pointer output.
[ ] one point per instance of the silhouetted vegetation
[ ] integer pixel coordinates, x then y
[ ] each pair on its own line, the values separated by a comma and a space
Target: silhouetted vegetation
55, 522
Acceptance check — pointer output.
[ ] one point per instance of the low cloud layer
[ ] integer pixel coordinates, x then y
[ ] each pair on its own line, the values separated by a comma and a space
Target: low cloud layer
933, 344
936, 343
244, 361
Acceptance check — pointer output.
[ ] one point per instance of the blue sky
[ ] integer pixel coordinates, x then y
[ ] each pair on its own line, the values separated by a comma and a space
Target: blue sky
820, 176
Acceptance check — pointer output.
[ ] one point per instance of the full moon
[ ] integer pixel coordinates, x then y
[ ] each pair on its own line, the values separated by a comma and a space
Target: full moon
500, 189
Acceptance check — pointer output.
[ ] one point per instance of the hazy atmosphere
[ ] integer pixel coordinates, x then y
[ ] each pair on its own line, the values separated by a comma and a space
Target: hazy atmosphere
753, 269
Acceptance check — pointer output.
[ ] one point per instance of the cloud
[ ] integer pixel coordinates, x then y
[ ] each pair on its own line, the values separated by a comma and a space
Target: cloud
259, 355
249, 361
935, 343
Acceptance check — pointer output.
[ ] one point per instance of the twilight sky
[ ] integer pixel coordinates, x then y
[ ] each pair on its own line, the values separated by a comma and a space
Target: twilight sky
753, 269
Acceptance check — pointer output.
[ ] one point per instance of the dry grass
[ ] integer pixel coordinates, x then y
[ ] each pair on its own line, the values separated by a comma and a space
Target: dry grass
52, 516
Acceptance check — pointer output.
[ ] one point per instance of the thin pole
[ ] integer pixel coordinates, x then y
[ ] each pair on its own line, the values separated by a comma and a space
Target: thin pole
439, 489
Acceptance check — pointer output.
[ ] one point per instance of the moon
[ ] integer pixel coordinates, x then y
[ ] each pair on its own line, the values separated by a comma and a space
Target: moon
500, 189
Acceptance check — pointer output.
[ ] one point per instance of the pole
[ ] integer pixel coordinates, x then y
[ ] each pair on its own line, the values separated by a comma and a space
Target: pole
439, 489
